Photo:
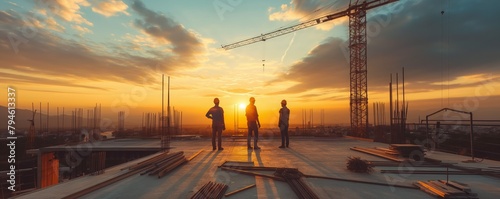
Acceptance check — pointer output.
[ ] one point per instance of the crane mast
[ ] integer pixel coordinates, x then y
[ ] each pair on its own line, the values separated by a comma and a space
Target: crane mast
358, 100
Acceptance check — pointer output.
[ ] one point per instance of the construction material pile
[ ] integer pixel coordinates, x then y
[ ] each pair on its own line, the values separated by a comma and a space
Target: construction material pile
356, 164
161, 164
396, 152
443, 189
411, 151
211, 190
294, 178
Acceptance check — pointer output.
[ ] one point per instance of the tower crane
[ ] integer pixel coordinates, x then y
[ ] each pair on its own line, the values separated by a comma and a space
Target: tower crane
358, 100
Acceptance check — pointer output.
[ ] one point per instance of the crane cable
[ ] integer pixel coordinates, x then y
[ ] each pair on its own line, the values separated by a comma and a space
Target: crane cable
444, 51
263, 55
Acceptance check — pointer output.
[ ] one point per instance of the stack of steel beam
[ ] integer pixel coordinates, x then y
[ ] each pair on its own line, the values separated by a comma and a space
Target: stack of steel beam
150, 161
383, 153
211, 190
164, 165
161, 164
294, 178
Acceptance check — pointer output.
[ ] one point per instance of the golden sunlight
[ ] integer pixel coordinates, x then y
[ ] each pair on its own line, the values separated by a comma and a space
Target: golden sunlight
242, 105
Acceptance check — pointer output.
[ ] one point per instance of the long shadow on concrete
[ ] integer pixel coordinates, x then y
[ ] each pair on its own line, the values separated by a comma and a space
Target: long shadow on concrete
304, 158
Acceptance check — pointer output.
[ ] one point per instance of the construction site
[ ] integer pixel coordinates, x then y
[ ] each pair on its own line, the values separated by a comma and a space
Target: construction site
448, 152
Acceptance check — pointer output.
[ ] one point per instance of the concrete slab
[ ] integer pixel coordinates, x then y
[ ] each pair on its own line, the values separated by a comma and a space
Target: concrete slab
313, 156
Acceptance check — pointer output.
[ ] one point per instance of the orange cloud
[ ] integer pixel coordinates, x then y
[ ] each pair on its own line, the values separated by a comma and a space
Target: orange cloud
68, 10
300, 10
110, 7
81, 29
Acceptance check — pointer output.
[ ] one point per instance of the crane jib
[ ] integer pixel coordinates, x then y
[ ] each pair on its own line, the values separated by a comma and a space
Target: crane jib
352, 8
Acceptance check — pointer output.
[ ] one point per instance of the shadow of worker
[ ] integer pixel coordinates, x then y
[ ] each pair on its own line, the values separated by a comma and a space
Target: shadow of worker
257, 156
259, 159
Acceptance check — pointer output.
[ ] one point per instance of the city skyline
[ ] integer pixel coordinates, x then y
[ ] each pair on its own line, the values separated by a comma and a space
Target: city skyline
75, 54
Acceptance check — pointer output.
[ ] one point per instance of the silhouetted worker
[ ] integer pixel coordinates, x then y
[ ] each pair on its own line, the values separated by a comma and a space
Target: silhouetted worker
216, 113
253, 123
283, 123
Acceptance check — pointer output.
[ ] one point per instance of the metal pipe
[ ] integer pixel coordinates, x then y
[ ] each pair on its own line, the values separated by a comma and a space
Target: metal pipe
359, 181
253, 173
471, 136
240, 190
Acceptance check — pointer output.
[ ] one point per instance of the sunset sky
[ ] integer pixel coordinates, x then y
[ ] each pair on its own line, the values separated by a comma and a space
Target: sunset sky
76, 53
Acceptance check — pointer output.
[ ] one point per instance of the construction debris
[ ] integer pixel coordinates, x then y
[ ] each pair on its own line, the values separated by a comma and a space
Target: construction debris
356, 164
211, 190
443, 189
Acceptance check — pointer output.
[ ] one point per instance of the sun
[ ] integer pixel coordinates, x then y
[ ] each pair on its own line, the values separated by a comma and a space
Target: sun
242, 106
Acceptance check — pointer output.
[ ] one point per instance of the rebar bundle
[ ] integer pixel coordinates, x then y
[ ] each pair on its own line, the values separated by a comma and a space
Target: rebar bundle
211, 190
294, 178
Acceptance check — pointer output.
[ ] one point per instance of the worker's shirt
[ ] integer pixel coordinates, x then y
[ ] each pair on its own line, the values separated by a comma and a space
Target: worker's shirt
216, 113
251, 113
284, 116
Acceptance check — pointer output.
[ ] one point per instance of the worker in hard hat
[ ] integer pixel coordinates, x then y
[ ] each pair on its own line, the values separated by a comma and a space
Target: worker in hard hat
253, 123
216, 113
283, 124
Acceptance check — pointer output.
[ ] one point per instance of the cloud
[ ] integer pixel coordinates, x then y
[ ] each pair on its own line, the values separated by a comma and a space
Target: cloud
81, 29
10, 17
69, 60
412, 38
239, 90
12, 3
324, 67
52, 24
305, 10
68, 10
110, 7
10, 77
165, 30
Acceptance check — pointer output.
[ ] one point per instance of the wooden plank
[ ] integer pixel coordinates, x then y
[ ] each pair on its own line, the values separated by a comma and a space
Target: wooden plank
194, 155
448, 189
434, 190
240, 190
423, 188
376, 153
